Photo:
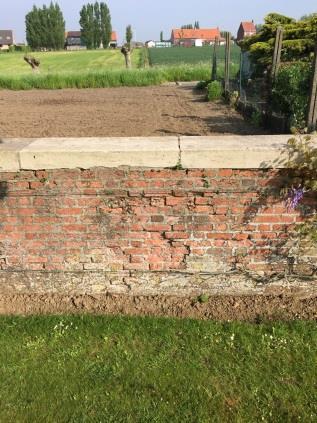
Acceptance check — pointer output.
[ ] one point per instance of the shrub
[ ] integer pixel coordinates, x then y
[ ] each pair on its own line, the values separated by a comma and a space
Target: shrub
291, 92
201, 85
215, 90
302, 163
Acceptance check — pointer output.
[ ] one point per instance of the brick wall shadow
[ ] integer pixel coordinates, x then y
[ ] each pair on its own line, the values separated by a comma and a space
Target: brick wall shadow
287, 250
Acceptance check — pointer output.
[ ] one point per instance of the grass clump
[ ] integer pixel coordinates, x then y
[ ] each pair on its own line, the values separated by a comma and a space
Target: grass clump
214, 90
105, 78
120, 369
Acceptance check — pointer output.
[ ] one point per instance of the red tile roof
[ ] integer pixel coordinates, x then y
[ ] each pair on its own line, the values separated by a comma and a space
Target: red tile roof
197, 34
248, 26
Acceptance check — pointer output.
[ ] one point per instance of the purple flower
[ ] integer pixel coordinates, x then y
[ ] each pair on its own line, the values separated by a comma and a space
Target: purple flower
295, 196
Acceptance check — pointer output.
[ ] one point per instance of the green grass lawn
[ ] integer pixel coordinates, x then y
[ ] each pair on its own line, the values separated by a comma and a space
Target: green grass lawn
66, 61
120, 369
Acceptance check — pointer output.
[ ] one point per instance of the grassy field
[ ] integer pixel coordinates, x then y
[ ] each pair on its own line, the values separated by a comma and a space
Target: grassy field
119, 369
105, 78
100, 69
66, 62
190, 55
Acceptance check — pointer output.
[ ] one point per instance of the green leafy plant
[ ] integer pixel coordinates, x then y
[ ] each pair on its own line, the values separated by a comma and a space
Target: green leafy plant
256, 118
303, 165
201, 85
290, 93
214, 91
203, 298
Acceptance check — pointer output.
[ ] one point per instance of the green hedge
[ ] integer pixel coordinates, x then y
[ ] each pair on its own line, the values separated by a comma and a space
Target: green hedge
290, 95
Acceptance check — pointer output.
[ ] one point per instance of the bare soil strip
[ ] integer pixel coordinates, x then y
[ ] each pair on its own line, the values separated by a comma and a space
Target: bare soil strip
246, 308
111, 112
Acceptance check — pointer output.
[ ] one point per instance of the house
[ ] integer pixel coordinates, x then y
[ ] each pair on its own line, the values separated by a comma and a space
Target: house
114, 40
150, 44
6, 39
137, 44
195, 37
163, 44
158, 44
246, 29
75, 42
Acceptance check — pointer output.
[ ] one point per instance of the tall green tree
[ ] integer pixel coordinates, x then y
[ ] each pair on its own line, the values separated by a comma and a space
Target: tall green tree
45, 27
129, 35
95, 24
105, 22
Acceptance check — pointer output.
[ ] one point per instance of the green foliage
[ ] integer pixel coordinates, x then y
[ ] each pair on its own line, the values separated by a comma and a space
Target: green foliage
128, 35
203, 298
95, 23
299, 39
45, 28
214, 90
201, 85
291, 92
256, 118
302, 161
144, 58
23, 49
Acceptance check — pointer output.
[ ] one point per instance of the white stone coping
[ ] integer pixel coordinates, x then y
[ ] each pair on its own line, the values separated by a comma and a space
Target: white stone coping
227, 151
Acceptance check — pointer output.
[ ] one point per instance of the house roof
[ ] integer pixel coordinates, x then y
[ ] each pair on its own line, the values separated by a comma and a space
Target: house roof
6, 36
74, 34
248, 26
203, 34
114, 36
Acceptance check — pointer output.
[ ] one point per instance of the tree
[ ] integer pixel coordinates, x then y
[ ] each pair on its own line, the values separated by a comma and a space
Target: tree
126, 49
299, 38
95, 25
45, 28
161, 36
129, 35
307, 17
196, 25
188, 26
106, 27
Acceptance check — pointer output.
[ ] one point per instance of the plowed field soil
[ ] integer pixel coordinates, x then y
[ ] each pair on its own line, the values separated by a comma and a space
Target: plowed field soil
110, 112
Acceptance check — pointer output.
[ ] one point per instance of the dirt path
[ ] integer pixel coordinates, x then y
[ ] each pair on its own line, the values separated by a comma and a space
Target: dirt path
248, 308
146, 111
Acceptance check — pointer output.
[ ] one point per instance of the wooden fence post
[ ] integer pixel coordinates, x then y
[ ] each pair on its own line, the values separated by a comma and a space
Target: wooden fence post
277, 52
227, 62
312, 112
214, 61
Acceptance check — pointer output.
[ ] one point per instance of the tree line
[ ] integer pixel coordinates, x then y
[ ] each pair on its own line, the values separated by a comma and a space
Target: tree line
45, 26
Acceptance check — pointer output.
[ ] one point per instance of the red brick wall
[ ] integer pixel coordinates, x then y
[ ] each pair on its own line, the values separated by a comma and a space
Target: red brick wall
134, 219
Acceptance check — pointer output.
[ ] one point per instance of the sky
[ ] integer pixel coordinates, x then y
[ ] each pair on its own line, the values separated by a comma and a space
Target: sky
149, 17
